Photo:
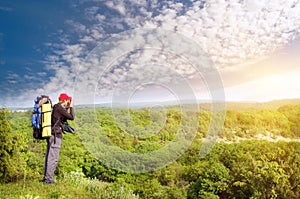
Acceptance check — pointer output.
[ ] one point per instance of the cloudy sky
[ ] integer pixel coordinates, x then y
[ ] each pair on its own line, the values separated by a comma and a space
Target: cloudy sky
141, 50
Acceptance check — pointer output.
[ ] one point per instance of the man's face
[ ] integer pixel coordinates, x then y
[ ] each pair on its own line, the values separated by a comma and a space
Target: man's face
65, 103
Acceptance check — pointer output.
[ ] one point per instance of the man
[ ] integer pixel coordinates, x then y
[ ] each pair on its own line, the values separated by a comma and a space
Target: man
61, 112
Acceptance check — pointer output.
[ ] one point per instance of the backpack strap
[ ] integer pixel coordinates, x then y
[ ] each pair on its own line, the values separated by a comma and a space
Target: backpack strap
55, 131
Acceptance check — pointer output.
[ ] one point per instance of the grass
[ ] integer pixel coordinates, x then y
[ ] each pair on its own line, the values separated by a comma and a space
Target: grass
73, 185
36, 189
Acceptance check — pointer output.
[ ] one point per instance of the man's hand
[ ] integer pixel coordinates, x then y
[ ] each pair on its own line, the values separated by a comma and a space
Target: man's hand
72, 103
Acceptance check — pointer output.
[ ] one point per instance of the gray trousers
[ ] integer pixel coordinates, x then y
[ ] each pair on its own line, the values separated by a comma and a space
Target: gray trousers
51, 160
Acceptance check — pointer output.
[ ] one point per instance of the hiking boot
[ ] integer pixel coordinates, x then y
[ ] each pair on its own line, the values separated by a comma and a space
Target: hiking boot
47, 182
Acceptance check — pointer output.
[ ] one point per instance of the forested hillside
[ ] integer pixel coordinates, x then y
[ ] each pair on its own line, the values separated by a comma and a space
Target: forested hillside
240, 164
275, 104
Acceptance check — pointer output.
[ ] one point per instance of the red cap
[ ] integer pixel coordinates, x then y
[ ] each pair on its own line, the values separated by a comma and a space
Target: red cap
64, 96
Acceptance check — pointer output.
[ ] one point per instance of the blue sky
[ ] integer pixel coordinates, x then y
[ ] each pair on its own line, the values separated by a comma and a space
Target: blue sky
25, 29
45, 48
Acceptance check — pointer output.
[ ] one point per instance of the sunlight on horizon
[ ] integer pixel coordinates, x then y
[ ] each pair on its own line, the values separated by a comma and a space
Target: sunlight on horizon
276, 86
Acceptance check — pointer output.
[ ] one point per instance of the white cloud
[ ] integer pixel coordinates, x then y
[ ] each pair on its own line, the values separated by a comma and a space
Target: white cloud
117, 5
232, 33
77, 27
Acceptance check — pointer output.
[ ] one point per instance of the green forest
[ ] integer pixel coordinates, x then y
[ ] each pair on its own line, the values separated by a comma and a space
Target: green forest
256, 154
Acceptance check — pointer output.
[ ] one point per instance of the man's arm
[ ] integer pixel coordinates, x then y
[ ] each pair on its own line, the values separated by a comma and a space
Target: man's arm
69, 116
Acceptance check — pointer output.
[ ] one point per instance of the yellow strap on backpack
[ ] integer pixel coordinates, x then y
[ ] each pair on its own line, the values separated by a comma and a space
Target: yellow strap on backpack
46, 120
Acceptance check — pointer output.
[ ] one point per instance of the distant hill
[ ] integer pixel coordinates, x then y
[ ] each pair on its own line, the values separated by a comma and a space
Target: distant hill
274, 104
188, 104
203, 105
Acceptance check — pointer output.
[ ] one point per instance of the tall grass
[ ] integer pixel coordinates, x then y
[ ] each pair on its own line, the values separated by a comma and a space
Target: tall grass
99, 189
71, 185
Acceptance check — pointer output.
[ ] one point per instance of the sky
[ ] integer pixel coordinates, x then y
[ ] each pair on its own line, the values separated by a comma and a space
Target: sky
131, 51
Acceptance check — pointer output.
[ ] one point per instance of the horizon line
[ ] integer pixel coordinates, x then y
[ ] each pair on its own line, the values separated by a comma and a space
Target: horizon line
166, 102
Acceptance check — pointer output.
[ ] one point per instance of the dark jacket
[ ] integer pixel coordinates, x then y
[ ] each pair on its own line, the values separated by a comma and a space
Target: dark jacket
59, 116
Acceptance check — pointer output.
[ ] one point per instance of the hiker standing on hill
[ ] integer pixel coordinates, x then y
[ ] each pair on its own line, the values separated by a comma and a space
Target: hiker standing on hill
61, 112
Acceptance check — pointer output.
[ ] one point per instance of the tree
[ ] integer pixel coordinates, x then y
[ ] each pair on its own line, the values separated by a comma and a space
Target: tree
292, 112
12, 161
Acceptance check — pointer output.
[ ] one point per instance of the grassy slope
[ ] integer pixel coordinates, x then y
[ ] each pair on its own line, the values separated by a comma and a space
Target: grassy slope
72, 186
36, 189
